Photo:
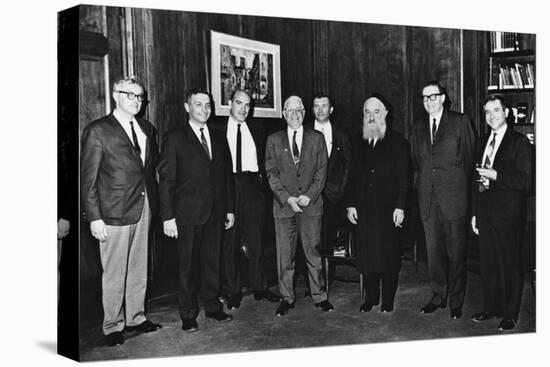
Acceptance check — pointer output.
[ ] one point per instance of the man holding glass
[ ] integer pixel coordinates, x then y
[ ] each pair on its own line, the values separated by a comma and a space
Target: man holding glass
498, 204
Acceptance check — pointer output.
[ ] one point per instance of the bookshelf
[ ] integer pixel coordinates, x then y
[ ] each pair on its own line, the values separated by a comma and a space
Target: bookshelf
511, 73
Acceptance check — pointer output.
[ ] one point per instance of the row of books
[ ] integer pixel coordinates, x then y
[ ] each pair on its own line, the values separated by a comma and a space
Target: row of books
511, 76
504, 41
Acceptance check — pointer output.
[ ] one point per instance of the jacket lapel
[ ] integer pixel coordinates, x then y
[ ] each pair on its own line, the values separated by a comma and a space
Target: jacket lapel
194, 140
287, 149
147, 140
441, 128
120, 131
503, 147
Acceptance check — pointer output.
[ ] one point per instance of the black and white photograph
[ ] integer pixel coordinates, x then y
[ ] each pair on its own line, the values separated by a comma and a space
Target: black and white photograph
284, 184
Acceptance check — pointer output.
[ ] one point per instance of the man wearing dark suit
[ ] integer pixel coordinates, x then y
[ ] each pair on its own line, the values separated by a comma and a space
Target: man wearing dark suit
338, 150
197, 202
375, 201
498, 205
119, 196
442, 150
296, 166
246, 140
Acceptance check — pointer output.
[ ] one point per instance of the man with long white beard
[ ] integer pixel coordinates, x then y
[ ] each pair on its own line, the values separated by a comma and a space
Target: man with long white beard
375, 202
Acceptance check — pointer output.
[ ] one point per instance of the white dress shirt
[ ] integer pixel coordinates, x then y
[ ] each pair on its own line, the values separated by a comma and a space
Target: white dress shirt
299, 137
498, 139
326, 130
141, 137
248, 153
196, 129
437, 121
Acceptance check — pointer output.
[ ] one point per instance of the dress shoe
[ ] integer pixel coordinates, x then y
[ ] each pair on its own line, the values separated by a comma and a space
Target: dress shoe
325, 306
234, 301
268, 295
114, 339
366, 307
283, 308
219, 316
507, 324
432, 307
189, 325
482, 316
386, 308
456, 313
145, 327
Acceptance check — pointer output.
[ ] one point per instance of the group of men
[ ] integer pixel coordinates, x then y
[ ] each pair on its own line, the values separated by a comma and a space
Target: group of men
212, 189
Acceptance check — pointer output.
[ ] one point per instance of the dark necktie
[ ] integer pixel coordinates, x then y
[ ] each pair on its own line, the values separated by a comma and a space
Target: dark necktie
490, 150
371, 143
239, 167
137, 148
295, 151
434, 131
205, 143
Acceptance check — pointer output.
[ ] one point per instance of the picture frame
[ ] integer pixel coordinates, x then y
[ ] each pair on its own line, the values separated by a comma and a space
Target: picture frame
260, 76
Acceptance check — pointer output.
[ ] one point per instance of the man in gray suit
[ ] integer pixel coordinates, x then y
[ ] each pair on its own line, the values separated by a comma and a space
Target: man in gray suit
442, 151
296, 168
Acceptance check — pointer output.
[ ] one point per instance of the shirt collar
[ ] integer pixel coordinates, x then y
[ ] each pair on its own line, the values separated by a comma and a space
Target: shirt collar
437, 117
291, 130
234, 121
500, 131
122, 118
319, 126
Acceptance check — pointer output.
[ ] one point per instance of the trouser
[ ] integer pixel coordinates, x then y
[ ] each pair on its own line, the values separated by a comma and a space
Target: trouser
446, 250
247, 233
389, 280
501, 271
199, 267
124, 281
287, 231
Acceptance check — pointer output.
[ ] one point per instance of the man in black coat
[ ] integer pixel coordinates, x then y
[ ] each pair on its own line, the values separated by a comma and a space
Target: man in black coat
119, 196
442, 150
196, 204
375, 202
498, 204
246, 140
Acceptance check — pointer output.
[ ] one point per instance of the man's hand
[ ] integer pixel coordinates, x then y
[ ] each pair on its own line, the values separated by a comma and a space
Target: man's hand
352, 215
303, 200
398, 217
63, 226
230, 220
170, 228
474, 225
293, 202
488, 173
99, 230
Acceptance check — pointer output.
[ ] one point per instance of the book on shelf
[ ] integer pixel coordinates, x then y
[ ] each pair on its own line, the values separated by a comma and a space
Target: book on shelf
504, 41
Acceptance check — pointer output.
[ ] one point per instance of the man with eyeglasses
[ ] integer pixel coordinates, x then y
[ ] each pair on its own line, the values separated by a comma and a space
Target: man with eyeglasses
296, 168
119, 197
196, 205
442, 149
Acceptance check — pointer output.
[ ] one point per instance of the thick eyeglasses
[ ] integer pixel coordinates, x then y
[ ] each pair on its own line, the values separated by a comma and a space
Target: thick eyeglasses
296, 111
431, 97
140, 97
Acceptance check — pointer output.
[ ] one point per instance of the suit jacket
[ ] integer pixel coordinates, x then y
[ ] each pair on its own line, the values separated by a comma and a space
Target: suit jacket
286, 180
503, 205
112, 176
257, 131
192, 187
446, 165
338, 164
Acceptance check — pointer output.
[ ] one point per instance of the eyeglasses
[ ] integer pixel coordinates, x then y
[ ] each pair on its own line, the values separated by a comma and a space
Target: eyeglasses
296, 111
431, 97
140, 97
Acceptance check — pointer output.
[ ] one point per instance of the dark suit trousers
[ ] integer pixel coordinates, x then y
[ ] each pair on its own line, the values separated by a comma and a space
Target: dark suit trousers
446, 249
199, 263
389, 287
330, 224
247, 232
501, 273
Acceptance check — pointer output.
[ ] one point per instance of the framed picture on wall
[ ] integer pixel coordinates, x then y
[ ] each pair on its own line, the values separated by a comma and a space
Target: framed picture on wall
240, 63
